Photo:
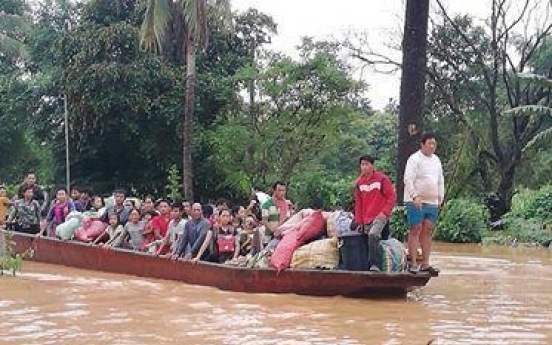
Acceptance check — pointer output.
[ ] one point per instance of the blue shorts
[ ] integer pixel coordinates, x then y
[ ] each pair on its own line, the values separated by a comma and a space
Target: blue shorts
416, 216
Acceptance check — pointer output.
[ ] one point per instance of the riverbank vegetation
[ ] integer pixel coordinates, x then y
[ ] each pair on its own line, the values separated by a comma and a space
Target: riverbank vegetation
261, 115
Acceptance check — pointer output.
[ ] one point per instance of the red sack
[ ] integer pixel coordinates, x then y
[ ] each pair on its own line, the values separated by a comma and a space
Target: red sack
80, 234
281, 258
312, 227
226, 243
95, 229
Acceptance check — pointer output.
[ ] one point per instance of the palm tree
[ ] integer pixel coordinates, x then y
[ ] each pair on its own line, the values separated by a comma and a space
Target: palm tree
191, 16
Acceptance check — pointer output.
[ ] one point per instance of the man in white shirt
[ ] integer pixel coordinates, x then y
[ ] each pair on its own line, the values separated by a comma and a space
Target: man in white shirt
424, 192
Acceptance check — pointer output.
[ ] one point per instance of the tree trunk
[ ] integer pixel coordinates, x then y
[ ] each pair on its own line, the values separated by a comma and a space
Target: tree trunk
189, 103
413, 79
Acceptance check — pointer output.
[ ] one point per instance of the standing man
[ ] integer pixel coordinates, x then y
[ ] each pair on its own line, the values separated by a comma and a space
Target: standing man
275, 210
38, 193
374, 200
424, 192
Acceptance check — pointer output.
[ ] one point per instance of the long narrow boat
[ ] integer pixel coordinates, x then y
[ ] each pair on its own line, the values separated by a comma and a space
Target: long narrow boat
303, 282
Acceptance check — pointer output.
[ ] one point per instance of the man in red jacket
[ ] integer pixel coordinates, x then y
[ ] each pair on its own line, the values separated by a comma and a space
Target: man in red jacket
374, 200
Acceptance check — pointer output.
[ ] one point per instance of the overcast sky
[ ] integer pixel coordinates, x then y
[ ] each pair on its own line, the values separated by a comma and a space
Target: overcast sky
326, 19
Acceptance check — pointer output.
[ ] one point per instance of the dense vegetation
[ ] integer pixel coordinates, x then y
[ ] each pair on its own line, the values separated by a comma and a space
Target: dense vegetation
260, 115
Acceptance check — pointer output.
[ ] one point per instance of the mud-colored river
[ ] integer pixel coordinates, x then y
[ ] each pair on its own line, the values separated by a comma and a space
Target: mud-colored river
483, 296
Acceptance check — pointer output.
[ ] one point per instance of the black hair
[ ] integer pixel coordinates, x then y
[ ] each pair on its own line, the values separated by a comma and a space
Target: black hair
207, 211
151, 197
162, 200
61, 189
222, 201
317, 203
276, 184
366, 158
426, 136
25, 187
177, 206
119, 191
152, 213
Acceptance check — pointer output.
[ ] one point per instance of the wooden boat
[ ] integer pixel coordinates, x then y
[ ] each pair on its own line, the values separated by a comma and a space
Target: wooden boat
303, 282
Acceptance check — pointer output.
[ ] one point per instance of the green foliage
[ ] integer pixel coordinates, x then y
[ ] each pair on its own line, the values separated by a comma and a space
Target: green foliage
398, 223
521, 231
174, 184
531, 205
462, 221
334, 192
10, 260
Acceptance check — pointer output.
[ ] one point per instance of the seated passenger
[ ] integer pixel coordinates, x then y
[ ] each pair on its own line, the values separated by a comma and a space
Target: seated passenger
131, 236
249, 238
148, 205
175, 230
158, 226
25, 214
59, 211
118, 208
197, 236
225, 236
113, 229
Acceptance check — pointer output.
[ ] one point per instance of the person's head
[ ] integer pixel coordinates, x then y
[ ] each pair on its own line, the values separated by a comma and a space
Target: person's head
119, 197
197, 210
163, 207
224, 217
27, 191
61, 194
222, 203
428, 144
279, 190
187, 207
134, 215
3, 191
148, 215
30, 179
250, 222
76, 193
129, 203
97, 202
317, 203
239, 212
366, 163
113, 220
176, 211
207, 211
149, 203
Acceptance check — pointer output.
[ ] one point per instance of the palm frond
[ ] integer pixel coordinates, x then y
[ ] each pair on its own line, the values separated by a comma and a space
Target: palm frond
544, 137
12, 48
14, 25
529, 110
156, 18
536, 79
195, 20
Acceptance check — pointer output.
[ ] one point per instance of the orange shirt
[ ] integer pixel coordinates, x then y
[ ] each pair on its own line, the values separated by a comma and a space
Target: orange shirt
4, 203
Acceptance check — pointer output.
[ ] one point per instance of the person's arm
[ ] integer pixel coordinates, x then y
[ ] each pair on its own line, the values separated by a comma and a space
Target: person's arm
390, 195
441, 182
357, 204
12, 214
117, 239
410, 173
181, 247
236, 245
206, 236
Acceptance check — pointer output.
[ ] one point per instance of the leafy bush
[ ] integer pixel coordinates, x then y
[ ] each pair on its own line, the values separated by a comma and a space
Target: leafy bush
520, 231
462, 221
398, 223
334, 193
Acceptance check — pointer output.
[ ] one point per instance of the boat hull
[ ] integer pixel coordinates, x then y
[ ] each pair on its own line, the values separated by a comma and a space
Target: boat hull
303, 282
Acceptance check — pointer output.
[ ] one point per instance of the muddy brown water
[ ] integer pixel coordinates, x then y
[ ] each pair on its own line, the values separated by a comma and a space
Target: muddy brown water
483, 296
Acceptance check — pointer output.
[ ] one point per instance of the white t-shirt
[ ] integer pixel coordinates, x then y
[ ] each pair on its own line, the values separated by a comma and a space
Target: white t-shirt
423, 178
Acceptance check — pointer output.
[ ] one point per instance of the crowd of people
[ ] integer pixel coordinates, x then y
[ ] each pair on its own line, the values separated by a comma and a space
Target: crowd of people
222, 232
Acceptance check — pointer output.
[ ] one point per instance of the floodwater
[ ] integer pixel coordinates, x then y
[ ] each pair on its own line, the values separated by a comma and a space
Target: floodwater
483, 296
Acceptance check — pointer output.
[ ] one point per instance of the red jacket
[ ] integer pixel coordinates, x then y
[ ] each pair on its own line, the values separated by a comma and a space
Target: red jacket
373, 195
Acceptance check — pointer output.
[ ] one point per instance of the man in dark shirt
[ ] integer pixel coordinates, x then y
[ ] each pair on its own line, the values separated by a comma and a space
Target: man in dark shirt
197, 236
118, 208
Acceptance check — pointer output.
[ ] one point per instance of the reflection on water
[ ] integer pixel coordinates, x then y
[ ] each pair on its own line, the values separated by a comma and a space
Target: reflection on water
483, 296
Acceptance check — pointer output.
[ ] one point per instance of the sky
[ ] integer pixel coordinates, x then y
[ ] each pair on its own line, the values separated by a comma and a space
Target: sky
382, 20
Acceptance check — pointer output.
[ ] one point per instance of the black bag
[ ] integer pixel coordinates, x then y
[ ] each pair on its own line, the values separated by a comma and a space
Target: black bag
353, 253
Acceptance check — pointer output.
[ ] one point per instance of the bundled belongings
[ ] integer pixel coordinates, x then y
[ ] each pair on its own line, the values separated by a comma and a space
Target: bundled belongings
66, 230
321, 254
90, 230
394, 256
311, 227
